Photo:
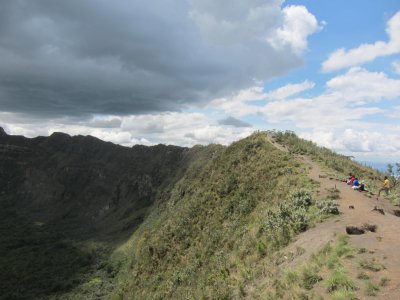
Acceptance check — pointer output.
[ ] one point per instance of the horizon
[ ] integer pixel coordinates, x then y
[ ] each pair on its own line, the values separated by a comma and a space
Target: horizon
375, 164
201, 72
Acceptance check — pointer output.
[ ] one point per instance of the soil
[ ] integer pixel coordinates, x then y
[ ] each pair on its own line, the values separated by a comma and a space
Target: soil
382, 245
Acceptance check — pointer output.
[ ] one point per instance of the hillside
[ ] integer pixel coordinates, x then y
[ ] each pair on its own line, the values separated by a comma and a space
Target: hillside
67, 201
224, 225
94, 220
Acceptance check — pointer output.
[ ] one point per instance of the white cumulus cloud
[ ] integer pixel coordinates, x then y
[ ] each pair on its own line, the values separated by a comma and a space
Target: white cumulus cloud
290, 90
298, 24
343, 58
396, 66
359, 85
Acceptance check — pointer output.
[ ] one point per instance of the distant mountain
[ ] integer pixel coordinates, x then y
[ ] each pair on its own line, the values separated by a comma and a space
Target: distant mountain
60, 190
82, 184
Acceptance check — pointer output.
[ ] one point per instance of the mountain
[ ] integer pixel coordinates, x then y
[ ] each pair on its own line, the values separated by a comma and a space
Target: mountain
59, 190
82, 184
82, 218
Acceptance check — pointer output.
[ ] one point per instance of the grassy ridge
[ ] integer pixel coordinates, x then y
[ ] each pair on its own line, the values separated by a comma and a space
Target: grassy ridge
219, 220
337, 165
208, 239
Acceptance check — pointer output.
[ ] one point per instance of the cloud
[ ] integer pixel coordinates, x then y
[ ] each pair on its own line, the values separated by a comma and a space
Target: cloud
396, 66
298, 23
184, 129
347, 99
289, 90
239, 104
342, 58
363, 144
105, 123
394, 113
358, 86
319, 112
134, 57
340, 117
231, 121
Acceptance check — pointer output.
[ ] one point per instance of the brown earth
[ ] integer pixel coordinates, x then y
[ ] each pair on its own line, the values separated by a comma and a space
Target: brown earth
382, 245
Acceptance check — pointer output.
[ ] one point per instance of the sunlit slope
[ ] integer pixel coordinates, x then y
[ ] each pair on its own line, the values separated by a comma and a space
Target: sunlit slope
209, 237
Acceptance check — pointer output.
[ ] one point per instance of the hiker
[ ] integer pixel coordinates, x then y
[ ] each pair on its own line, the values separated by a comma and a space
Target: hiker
351, 179
361, 187
386, 187
347, 180
356, 184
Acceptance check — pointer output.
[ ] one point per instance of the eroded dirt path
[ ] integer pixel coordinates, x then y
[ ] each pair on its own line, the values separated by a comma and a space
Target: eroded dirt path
382, 245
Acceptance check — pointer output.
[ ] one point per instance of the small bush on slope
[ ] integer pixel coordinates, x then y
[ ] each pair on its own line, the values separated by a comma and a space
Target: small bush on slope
208, 238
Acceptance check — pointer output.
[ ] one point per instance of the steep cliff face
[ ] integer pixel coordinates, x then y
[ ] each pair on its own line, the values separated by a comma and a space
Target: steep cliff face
82, 183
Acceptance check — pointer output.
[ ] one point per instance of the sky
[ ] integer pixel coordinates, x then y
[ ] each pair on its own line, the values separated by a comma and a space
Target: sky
188, 72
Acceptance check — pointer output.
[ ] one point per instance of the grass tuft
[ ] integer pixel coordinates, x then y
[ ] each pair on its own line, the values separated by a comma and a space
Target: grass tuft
371, 289
363, 276
384, 281
339, 279
372, 265
343, 294
310, 276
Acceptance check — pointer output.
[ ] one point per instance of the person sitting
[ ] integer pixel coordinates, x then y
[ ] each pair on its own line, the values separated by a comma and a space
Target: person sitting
361, 187
347, 179
351, 179
356, 184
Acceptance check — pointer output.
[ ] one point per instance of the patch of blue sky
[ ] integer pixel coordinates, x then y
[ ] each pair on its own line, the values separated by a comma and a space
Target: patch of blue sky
383, 64
365, 21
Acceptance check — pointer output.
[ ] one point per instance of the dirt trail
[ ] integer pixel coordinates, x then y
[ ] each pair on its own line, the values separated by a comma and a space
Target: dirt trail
383, 245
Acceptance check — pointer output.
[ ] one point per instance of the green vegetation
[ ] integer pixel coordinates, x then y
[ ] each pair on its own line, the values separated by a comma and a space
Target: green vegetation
370, 288
372, 265
36, 261
232, 209
339, 280
339, 165
344, 294
363, 276
326, 269
216, 228
228, 215
309, 276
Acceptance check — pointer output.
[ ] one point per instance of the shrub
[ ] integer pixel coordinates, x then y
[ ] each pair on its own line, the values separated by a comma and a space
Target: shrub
289, 218
328, 207
301, 199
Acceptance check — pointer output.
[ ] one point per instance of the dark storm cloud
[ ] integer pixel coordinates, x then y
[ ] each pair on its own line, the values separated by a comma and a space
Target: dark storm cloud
231, 121
77, 58
113, 123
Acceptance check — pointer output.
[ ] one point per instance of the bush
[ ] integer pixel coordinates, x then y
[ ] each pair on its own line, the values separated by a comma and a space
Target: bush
328, 207
301, 199
289, 218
